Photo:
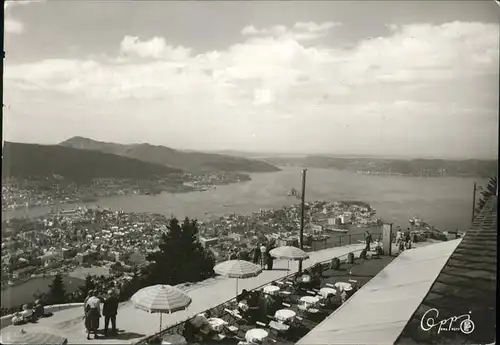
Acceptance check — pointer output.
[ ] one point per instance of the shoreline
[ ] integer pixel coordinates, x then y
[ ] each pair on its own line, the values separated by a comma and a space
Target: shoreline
184, 189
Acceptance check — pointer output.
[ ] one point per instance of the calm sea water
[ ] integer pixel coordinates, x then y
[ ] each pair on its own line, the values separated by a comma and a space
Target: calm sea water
444, 202
15, 296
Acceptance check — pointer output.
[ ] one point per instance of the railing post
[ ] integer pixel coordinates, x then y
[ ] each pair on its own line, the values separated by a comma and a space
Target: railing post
350, 242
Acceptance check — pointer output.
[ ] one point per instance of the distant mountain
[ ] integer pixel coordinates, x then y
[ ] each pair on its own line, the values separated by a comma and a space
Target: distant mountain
31, 160
257, 155
414, 167
185, 160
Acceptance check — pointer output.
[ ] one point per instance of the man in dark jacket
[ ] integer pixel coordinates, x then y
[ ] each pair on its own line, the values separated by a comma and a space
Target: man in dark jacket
109, 310
368, 240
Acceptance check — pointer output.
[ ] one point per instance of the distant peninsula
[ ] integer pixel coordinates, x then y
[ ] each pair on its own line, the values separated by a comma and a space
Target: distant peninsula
379, 166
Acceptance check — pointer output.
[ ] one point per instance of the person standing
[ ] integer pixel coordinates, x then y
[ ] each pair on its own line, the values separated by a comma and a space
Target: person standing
256, 255
92, 314
109, 310
368, 240
263, 250
270, 259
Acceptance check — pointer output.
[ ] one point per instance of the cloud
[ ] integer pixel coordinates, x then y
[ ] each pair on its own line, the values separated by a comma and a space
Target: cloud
13, 25
313, 27
300, 31
272, 76
413, 53
153, 48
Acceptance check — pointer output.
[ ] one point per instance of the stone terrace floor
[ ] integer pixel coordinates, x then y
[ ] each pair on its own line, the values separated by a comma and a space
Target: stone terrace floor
136, 324
362, 271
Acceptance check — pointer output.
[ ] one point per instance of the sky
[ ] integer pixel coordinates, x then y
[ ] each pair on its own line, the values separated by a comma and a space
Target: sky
393, 78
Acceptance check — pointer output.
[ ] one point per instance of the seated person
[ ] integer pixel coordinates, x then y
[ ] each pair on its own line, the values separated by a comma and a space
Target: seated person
304, 281
264, 303
274, 304
305, 277
189, 333
253, 299
253, 306
242, 296
27, 313
201, 324
17, 319
242, 307
38, 309
316, 279
317, 270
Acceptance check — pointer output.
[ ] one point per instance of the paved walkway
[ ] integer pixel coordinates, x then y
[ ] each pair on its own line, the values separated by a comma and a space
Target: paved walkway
138, 324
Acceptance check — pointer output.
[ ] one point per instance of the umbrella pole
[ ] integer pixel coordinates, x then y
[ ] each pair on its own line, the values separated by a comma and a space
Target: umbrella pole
161, 314
236, 287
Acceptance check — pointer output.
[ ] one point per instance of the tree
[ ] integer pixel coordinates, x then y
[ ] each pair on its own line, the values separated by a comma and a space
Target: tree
57, 292
89, 285
181, 258
489, 191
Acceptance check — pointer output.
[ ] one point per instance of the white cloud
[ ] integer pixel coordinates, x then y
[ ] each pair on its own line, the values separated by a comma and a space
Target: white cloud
13, 25
273, 75
301, 31
415, 53
154, 48
313, 27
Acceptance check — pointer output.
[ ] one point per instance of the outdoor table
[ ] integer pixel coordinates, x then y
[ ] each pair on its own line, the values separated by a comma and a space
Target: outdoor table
309, 300
285, 315
271, 289
327, 291
173, 339
217, 324
243, 306
256, 334
343, 286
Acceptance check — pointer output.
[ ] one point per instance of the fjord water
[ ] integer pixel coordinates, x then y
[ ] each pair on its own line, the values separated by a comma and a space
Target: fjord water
444, 202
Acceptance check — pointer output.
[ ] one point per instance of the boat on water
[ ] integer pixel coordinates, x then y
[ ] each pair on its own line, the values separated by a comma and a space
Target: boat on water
337, 229
225, 205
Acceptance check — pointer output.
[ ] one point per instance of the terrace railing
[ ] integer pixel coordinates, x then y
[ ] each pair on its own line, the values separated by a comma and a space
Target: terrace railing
218, 311
339, 240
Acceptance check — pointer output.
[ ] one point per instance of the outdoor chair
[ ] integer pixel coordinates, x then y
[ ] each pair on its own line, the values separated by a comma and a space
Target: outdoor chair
261, 324
278, 327
232, 329
299, 321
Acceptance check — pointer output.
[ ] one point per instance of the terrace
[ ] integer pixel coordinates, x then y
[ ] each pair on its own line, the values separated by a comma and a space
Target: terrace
236, 329
136, 325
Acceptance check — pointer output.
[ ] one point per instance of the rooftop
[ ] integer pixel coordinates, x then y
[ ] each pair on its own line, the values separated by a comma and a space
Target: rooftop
465, 286
379, 311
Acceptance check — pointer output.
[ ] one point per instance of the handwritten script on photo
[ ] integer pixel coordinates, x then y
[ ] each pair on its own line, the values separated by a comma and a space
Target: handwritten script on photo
461, 323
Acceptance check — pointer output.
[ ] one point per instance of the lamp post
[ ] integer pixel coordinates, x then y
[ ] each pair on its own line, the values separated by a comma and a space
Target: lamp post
302, 197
